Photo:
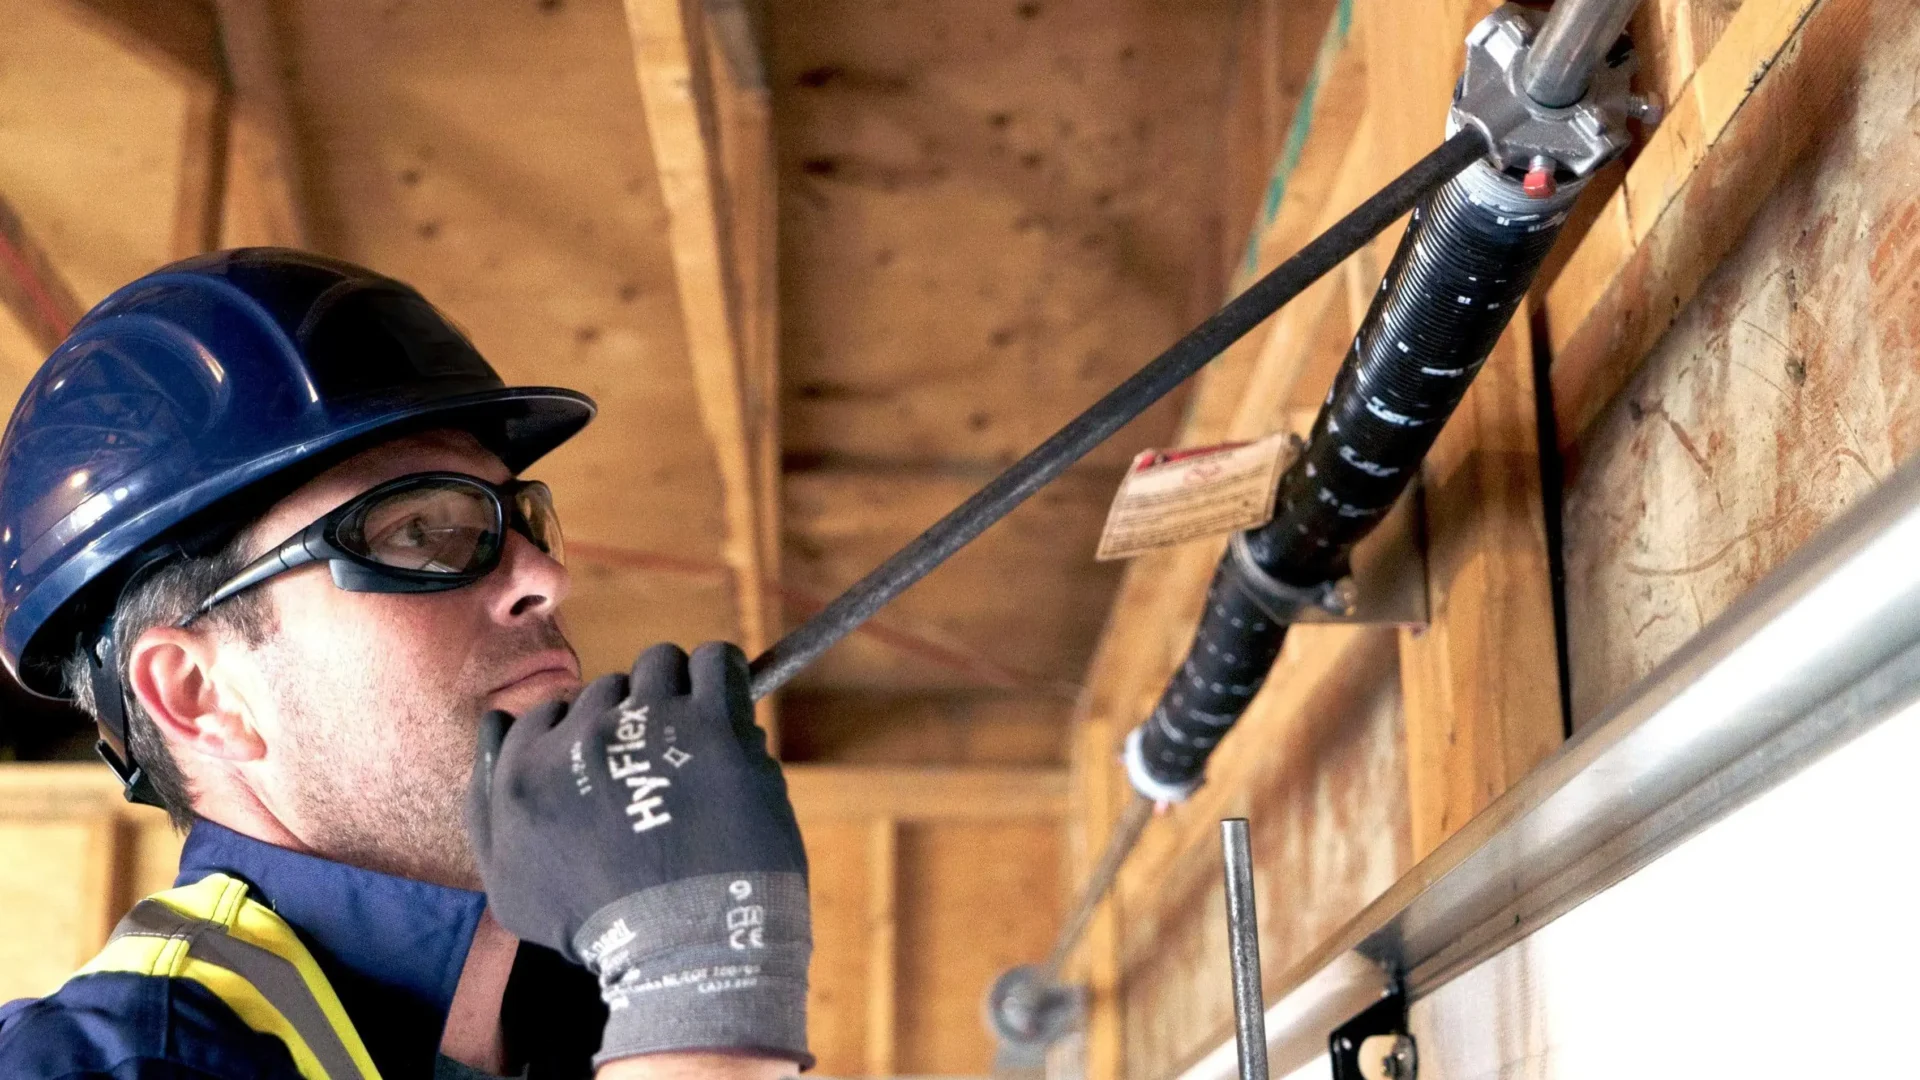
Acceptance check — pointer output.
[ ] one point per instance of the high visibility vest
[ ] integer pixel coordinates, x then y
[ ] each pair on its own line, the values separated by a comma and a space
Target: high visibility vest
212, 933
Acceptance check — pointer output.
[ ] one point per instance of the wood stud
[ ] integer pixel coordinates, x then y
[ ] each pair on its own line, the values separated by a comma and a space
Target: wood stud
265, 198
883, 979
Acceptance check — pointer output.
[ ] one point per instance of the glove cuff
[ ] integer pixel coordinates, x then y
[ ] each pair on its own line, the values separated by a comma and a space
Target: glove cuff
711, 963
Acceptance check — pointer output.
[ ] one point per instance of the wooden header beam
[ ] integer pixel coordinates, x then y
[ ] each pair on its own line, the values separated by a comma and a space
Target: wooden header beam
1731, 133
901, 794
919, 794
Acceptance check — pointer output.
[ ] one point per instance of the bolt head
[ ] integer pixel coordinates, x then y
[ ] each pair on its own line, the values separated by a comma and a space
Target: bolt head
1539, 182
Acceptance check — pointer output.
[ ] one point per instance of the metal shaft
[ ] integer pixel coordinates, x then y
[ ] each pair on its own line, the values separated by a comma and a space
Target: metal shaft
1243, 947
1120, 843
802, 645
1574, 41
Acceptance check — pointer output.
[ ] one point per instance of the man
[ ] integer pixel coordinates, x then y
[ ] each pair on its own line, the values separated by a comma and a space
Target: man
259, 516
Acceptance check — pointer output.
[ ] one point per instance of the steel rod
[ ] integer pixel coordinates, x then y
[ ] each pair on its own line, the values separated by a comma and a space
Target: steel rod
1120, 843
1575, 40
1243, 950
803, 644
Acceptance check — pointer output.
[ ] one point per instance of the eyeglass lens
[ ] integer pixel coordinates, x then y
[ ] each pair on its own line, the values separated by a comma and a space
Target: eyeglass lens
534, 502
451, 529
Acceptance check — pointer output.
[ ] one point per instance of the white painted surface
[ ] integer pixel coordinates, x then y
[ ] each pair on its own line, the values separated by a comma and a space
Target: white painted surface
1780, 942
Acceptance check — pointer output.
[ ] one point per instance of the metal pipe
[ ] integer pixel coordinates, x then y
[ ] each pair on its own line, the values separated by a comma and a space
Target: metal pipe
1819, 651
803, 644
1243, 950
1120, 843
1577, 36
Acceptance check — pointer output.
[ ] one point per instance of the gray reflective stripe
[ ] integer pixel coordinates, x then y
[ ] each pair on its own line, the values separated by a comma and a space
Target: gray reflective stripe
277, 979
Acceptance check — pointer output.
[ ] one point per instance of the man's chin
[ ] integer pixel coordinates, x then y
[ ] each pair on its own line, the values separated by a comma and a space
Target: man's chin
533, 691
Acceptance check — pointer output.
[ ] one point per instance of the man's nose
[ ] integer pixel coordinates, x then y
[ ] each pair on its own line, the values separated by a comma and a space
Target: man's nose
530, 582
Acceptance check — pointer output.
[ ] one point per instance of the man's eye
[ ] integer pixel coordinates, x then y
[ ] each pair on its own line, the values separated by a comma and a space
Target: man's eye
413, 532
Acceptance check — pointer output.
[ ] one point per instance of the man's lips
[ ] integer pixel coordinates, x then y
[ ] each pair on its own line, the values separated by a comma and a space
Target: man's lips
556, 666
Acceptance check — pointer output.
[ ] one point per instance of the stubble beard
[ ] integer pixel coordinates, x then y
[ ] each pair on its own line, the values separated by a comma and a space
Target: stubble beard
386, 790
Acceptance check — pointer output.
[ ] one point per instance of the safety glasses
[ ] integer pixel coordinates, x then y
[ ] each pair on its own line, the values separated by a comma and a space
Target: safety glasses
425, 532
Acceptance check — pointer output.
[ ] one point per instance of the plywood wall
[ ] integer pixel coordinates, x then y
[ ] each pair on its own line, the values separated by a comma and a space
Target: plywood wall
1787, 389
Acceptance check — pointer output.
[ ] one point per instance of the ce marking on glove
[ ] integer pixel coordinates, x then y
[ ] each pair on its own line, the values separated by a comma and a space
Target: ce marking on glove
746, 923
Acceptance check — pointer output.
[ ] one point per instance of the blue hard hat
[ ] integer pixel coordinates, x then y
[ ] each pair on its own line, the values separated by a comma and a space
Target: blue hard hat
207, 388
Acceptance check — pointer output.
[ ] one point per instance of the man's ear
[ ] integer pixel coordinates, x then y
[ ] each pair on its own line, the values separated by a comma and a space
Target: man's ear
170, 672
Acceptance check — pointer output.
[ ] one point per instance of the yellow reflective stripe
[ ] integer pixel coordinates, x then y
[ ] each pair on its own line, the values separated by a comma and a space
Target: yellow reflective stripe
257, 924
230, 895
168, 958
139, 956
217, 907
258, 1013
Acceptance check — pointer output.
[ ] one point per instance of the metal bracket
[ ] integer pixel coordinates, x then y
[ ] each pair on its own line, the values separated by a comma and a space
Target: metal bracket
1282, 602
1387, 585
1524, 134
1375, 1045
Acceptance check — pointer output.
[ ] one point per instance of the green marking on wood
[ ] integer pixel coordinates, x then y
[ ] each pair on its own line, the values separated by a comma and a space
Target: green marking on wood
1297, 131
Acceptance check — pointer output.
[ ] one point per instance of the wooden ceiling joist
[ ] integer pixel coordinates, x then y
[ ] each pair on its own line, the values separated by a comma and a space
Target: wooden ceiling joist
917, 794
239, 181
181, 36
707, 121
31, 286
265, 202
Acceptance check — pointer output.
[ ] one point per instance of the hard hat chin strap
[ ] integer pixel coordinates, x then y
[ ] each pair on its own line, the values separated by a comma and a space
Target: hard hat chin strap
115, 745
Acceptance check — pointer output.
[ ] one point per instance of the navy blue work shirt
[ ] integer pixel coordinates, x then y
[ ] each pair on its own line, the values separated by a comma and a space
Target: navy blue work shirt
393, 949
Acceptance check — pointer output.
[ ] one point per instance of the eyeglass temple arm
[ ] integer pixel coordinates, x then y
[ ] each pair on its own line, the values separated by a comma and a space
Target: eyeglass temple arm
295, 551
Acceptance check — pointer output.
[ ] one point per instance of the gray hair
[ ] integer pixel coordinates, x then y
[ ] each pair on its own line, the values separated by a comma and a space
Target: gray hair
162, 598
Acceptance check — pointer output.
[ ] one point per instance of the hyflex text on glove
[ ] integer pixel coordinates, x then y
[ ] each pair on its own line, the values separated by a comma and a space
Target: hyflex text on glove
644, 831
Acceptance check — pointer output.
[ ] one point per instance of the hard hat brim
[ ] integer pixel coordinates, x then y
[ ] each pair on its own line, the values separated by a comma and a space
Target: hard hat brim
520, 425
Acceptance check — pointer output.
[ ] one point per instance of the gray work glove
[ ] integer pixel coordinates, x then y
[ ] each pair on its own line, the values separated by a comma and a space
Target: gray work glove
644, 832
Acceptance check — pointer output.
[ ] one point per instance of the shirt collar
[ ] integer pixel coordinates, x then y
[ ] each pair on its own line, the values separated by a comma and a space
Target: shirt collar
393, 948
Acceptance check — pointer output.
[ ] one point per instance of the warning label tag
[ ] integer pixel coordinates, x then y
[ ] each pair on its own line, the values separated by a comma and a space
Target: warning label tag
1171, 496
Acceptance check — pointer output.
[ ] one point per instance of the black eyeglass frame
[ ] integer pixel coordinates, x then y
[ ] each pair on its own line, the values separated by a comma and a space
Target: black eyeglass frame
352, 571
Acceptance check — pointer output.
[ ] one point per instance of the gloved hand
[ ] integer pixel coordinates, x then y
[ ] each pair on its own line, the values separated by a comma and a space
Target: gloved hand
644, 832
